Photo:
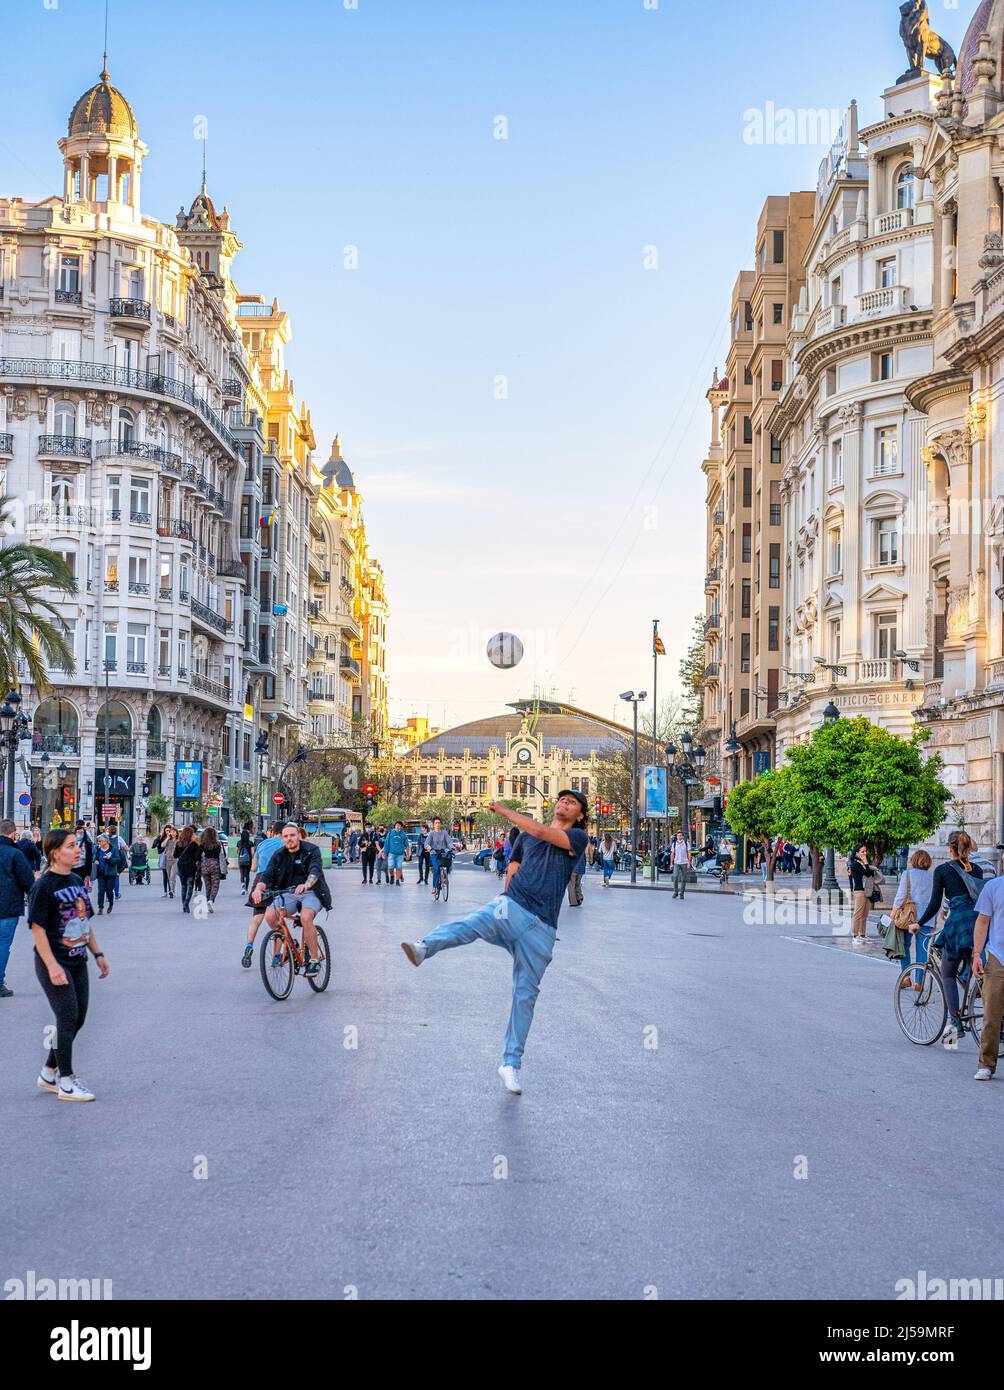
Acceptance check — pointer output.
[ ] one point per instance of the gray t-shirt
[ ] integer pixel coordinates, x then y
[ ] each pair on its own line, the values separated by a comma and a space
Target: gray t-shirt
438, 842
990, 904
540, 882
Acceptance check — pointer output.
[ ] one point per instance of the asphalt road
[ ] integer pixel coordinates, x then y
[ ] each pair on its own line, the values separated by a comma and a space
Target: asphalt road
389, 1162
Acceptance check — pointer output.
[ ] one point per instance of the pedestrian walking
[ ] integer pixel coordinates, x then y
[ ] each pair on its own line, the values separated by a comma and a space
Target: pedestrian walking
106, 869
16, 879
353, 846
210, 864
424, 859
961, 882
576, 897
187, 855
523, 919
59, 912
396, 848
31, 848
989, 933
85, 853
608, 858
166, 845
381, 856
116, 839
680, 861
860, 872
368, 850
913, 893
245, 854
139, 861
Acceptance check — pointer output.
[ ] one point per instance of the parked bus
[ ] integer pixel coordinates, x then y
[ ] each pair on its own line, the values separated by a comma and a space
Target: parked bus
334, 820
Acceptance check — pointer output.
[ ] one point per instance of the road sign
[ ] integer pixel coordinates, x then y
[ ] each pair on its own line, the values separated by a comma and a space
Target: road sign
278, 798
672, 812
212, 810
24, 799
109, 811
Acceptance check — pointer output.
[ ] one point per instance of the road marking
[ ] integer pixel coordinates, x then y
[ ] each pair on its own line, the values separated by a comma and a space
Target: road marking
821, 947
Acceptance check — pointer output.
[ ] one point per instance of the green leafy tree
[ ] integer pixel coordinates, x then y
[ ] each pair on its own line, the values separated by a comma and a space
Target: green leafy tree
445, 807
243, 803
324, 791
855, 783
32, 630
491, 825
755, 810
386, 813
158, 809
692, 677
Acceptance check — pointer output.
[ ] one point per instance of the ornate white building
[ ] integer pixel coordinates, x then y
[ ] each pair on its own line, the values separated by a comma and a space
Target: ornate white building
857, 629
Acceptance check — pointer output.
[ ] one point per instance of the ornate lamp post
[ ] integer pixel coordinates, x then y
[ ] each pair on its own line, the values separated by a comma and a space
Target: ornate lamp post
830, 885
690, 766
13, 728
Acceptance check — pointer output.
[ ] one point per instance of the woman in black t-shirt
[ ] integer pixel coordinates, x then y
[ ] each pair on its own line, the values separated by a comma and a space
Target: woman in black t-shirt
59, 913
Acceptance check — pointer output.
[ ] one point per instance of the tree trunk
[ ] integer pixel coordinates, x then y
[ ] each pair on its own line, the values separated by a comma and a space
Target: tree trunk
771, 853
816, 860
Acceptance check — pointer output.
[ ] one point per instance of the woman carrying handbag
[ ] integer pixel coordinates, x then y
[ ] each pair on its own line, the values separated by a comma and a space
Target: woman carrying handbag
912, 897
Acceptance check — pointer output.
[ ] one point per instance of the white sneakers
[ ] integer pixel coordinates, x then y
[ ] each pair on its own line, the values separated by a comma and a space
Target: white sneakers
857, 941
510, 1080
984, 1074
72, 1088
45, 1083
416, 951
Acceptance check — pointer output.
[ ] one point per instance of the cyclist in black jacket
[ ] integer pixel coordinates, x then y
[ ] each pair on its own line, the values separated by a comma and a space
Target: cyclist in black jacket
295, 875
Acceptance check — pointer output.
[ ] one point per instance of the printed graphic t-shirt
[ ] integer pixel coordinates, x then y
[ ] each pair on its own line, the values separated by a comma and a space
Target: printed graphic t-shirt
59, 904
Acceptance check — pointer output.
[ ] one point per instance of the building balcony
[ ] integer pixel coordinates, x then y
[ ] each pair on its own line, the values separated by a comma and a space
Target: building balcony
136, 668
206, 616
116, 745
712, 622
156, 748
65, 518
713, 577
833, 316
897, 221
205, 686
35, 369
881, 670
6, 443
69, 297
63, 446
316, 563
164, 593
893, 300
230, 569
350, 666
124, 308
140, 518
131, 448
995, 673
182, 529
711, 672
137, 587
56, 743
233, 389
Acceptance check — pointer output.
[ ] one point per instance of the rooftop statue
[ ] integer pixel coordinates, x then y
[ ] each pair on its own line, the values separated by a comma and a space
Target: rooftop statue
921, 42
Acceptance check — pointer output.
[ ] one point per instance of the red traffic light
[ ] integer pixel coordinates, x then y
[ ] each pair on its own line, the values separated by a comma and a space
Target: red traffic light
369, 789
604, 808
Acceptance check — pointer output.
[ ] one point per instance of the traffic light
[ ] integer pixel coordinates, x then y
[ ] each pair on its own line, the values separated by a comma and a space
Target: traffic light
501, 785
604, 808
369, 791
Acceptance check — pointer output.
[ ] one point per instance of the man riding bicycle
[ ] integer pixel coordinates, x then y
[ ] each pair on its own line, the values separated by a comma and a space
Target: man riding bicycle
295, 876
440, 847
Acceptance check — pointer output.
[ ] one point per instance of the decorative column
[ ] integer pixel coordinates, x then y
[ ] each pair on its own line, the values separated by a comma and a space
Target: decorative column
916, 536
113, 179
873, 190
85, 178
851, 418
948, 254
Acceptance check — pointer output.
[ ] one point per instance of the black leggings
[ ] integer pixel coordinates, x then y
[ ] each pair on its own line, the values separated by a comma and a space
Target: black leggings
369, 859
69, 1004
187, 889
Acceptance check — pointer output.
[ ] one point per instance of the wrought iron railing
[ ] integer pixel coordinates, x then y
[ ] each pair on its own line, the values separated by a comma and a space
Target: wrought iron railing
126, 308
199, 610
65, 445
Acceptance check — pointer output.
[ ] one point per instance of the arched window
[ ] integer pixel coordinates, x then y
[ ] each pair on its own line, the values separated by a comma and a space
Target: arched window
163, 436
907, 178
56, 728
127, 427
61, 494
153, 722
64, 418
119, 719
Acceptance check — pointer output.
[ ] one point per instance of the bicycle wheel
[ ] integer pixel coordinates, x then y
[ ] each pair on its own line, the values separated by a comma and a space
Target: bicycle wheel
276, 961
319, 982
444, 887
975, 1008
921, 1010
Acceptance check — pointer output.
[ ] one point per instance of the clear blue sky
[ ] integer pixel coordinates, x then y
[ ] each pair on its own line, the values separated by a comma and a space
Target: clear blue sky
571, 512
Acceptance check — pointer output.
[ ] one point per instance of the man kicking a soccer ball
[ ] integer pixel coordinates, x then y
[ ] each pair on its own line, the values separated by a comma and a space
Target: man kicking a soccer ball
524, 918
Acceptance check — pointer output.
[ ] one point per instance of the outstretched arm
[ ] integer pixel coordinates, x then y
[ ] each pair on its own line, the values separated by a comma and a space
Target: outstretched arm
550, 833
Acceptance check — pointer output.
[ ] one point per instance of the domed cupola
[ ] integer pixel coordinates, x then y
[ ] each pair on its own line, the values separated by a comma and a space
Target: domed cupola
988, 19
102, 151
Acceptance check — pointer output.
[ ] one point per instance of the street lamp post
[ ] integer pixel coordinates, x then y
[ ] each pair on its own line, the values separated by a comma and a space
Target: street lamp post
691, 765
734, 748
634, 700
14, 726
830, 885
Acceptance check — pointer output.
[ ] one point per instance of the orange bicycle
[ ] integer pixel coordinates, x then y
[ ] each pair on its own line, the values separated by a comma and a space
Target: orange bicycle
282, 958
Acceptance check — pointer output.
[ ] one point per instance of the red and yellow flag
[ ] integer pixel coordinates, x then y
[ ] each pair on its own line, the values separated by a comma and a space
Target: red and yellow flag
658, 646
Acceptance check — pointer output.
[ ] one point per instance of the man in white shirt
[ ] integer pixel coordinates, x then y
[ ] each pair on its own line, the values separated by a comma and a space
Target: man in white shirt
989, 932
679, 859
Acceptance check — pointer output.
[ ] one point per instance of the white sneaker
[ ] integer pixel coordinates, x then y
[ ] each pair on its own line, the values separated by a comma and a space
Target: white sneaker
984, 1074
44, 1084
857, 941
72, 1088
416, 951
510, 1080
950, 1037
211, 908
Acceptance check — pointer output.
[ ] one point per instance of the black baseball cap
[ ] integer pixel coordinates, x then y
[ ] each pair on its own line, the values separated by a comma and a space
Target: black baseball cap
580, 798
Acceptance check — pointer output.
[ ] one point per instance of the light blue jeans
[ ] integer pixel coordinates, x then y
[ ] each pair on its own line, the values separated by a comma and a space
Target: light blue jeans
530, 942
8, 926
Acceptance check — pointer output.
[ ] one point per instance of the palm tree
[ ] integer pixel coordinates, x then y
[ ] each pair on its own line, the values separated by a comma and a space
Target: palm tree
31, 629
